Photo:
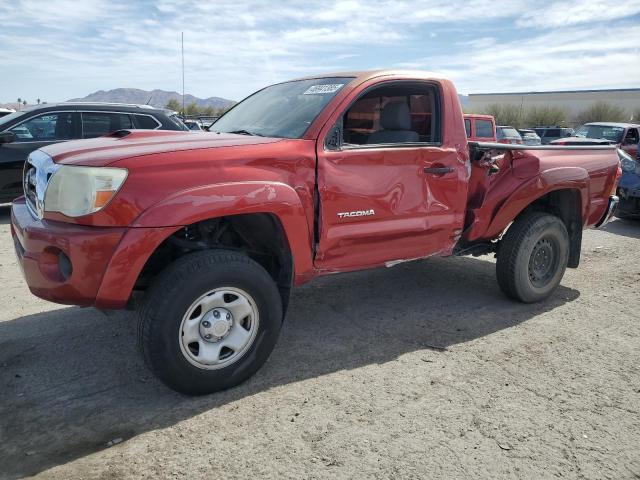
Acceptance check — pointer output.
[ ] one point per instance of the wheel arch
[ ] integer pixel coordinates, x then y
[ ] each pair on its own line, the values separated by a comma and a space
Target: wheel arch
271, 209
259, 235
563, 192
564, 178
566, 204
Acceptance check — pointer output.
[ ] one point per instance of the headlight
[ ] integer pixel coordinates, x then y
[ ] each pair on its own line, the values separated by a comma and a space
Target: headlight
77, 191
627, 163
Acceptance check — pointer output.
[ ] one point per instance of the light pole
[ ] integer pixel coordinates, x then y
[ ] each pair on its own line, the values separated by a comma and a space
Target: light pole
184, 113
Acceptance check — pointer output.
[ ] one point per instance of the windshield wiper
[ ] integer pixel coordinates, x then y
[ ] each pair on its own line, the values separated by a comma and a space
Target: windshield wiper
246, 132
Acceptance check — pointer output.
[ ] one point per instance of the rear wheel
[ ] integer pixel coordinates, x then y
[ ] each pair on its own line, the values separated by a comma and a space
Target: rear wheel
533, 257
209, 321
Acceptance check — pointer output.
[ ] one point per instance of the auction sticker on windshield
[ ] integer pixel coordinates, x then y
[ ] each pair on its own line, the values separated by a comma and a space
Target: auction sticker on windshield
322, 89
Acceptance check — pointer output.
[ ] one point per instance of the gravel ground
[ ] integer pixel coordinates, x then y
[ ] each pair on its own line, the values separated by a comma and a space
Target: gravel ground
423, 370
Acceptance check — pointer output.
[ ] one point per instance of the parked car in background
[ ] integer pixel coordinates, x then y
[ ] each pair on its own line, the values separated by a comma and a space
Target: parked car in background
529, 137
207, 121
27, 130
624, 135
480, 128
549, 134
204, 121
192, 124
304, 178
507, 134
5, 111
629, 186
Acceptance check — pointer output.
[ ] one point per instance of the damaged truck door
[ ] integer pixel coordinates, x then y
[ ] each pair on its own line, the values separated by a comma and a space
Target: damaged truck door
393, 186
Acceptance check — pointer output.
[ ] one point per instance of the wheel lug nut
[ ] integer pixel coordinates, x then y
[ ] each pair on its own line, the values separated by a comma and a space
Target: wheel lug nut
208, 336
228, 316
216, 314
206, 324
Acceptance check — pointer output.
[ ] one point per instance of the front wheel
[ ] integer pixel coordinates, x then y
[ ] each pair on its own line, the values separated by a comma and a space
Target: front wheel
532, 257
209, 321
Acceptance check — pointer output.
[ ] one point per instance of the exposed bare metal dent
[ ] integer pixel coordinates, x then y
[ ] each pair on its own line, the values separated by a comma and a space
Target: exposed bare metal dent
393, 263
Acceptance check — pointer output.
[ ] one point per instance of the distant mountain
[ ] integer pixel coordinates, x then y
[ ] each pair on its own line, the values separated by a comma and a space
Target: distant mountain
157, 98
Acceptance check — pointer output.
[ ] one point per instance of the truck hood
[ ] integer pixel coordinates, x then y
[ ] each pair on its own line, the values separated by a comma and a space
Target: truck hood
102, 151
582, 141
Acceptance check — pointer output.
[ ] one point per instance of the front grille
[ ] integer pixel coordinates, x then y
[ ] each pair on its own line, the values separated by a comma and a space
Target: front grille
29, 184
38, 170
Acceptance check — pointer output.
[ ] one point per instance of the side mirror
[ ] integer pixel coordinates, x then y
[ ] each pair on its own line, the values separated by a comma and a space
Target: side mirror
334, 137
7, 137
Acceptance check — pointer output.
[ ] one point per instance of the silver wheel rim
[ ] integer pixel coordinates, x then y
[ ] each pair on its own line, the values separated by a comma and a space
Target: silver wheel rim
218, 328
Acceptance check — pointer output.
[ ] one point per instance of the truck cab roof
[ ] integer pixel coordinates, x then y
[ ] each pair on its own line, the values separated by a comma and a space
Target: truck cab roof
615, 124
364, 75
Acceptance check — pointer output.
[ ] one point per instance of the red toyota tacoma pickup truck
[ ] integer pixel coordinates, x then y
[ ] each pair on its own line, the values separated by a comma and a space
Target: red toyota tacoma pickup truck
480, 128
208, 232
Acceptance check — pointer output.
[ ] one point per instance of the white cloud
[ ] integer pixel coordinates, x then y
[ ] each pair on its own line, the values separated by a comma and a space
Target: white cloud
560, 14
63, 48
576, 58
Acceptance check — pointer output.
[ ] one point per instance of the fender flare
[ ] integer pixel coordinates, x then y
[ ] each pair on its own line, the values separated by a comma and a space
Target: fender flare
237, 198
158, 222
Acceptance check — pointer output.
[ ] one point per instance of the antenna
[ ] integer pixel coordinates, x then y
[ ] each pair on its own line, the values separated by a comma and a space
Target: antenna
184, 114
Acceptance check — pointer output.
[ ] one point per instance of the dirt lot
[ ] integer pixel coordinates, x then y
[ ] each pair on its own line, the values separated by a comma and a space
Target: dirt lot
420, 371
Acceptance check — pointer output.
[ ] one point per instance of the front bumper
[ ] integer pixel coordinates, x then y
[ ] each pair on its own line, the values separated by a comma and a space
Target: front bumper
62, 262
82, 265
611, 210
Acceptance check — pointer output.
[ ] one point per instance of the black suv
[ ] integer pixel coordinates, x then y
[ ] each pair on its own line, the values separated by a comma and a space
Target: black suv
25, 131
549, 134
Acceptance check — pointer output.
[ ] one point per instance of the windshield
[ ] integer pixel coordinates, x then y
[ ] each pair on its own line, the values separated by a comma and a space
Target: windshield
284, 110
507, 132
613, 134
177, 121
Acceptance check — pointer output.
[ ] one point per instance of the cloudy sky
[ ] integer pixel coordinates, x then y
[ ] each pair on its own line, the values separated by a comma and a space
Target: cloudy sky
60, 49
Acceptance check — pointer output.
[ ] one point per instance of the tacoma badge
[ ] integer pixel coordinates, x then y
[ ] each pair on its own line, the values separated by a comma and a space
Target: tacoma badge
357, 213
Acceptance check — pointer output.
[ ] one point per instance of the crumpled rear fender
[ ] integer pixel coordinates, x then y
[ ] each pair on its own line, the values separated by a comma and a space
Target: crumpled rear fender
489, 226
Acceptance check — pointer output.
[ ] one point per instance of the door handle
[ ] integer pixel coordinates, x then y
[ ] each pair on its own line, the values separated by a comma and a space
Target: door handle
438, 170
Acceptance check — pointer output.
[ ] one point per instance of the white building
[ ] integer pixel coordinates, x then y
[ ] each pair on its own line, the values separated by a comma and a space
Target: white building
573, 101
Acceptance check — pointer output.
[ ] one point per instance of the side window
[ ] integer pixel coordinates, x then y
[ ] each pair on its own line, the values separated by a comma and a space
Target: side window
484, 128
632, 136
49, 127
362, 119
146, 122
467, 127
96, 124
393, 114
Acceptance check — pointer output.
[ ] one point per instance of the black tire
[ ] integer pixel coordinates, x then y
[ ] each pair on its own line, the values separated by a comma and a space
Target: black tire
532, 257
172, 295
